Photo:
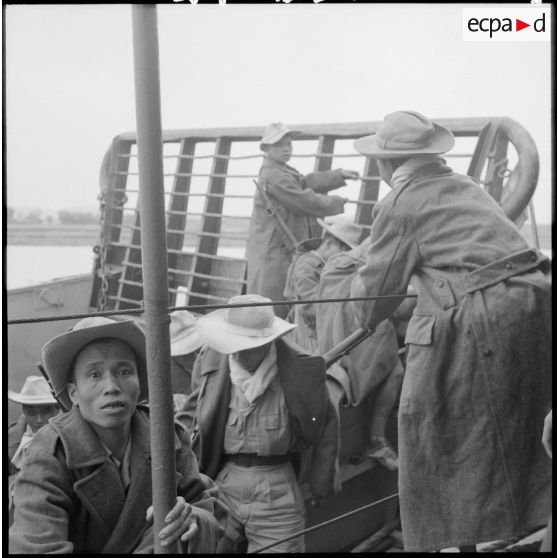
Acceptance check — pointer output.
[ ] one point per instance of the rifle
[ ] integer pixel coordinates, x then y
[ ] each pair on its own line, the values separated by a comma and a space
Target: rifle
291, 241
347, 345
45, 376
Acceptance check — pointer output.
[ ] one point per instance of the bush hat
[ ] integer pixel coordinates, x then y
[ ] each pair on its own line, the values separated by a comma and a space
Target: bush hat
184, 336
342, 228
274, 133
404, 134
60, 352
236, 329
35, 391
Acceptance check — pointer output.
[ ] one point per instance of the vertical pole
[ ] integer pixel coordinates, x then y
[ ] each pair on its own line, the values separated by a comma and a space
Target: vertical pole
154, 264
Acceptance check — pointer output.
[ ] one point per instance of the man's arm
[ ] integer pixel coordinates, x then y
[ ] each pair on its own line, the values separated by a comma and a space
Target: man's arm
390, 260
43, 505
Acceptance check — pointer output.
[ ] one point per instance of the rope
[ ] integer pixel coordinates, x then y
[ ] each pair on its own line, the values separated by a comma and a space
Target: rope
198, 307
325, 523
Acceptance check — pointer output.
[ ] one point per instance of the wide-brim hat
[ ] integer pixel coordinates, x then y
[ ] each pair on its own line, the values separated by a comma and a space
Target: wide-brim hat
275, 132
59, 353
184, 336
405, 134
342, 228
231, 330
35, 391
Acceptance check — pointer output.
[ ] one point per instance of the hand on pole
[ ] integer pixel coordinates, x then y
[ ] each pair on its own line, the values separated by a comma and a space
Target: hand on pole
179, 523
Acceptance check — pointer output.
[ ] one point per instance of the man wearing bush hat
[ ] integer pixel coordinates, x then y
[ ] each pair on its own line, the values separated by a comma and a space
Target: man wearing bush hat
257, 404
478, 384
340, 233
296, 199
38, 406
85, 482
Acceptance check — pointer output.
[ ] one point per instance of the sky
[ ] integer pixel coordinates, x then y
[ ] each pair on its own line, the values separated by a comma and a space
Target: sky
70, 87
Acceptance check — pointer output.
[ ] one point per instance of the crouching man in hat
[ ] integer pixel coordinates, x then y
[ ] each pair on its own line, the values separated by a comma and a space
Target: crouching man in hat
85, 481
37, 407
257, 403
478, 379
340, 234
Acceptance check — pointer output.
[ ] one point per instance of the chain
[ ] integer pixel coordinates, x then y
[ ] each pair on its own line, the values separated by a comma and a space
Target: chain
101, 251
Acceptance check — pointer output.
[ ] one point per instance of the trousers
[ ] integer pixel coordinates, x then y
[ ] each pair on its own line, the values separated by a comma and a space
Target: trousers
266, 505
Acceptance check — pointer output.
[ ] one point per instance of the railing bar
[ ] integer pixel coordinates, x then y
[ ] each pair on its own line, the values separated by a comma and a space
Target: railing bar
196, 195
175, 231
124, 299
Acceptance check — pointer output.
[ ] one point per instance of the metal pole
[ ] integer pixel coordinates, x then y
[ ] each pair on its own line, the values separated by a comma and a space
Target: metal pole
154, 265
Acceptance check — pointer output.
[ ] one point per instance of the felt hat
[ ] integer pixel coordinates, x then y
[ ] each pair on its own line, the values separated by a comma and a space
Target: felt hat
274, 133
236, 329
60, 352
342, 228
35, 391
405, 134
184, 336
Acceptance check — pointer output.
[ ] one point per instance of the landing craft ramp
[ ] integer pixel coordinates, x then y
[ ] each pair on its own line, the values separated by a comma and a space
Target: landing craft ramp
209, 190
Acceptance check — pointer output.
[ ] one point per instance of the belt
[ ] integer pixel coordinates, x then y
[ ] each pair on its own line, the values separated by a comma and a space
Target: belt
253, 460
504, 268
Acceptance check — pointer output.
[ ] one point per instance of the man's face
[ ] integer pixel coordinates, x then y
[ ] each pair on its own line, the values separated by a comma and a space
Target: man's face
250, 359
281, 151
105, 383
386, 170
38, 415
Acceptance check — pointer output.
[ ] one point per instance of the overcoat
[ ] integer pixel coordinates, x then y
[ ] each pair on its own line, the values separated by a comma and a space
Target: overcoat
478, 380
375, 358
69, 498
295, 198
311, 414
303, 279
15, 434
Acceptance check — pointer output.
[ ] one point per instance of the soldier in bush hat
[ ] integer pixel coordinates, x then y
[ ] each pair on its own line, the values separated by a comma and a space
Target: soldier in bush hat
340, 233
85, 482
38, 406
296, 198
479, 361
257, 404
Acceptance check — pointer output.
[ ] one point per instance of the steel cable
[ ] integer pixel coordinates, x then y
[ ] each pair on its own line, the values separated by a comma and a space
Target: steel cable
325, 523
198, 307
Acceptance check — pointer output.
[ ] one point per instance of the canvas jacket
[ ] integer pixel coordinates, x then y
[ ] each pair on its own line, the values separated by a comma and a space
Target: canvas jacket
296, 198
313, 419
69, 498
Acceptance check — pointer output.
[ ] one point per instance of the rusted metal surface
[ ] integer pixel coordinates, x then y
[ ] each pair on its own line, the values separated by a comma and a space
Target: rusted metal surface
154, 250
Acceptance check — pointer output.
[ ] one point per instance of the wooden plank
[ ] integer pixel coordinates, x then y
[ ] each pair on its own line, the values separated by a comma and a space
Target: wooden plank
482, 150
497, 164
459, 126
369, 191
115, 161
326, 144
212, 224
179, 203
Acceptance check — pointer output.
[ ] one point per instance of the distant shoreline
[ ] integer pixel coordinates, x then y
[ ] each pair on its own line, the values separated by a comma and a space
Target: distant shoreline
19, 234
52, 235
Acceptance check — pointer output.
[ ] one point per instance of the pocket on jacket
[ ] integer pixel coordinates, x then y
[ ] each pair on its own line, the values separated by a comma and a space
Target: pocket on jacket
420, 330
271, 422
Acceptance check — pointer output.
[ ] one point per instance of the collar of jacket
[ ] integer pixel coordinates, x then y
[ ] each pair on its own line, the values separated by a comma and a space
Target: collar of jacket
272, 163
302, 378
82, 446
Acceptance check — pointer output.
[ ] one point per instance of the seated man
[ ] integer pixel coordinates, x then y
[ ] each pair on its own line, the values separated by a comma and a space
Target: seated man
340, 234
85, 481
256, 404
373, 368
37, 407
